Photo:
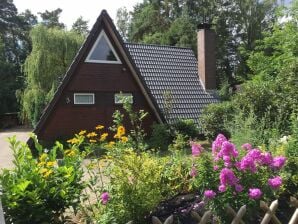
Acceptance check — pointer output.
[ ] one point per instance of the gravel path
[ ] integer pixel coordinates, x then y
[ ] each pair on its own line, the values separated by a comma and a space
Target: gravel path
5, 152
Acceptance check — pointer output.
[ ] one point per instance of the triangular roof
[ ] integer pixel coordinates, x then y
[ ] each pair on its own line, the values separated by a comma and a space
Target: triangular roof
103, 21
158, 71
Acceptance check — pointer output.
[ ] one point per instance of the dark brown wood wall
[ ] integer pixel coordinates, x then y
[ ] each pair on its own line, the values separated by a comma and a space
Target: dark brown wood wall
104, 80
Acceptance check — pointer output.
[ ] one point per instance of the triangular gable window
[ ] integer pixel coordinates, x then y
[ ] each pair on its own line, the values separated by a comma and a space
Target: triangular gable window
103, 51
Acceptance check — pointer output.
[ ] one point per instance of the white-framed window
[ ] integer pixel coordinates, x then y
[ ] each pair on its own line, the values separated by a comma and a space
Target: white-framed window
120, 98
103, 51
83, 98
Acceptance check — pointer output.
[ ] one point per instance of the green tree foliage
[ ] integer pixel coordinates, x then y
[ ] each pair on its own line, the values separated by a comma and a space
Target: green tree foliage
51, 18
14, 47
271, 95
238, 25
9, 84
122, 22
53, 50
80, 26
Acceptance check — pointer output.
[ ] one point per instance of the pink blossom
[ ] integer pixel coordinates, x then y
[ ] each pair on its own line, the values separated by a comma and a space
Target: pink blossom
228, 149
215, 167
227, 177
278, 162
196, 148
193, 171
266, 158
216, 145
275, 183
255, 154
222, 188
255, 193
248, 163
246, 146
210, 194
105, 197
238, 187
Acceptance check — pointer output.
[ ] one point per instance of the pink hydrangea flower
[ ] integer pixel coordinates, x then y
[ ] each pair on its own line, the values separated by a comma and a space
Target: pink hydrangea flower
215, 167
222, 188
210, 194
246, 146
275, 182
266, 158
238, 187
196, 149
255, 193
193, 171
248, 163
216, 145
227, 177
105, 197
255, 154
228, 149
278, 162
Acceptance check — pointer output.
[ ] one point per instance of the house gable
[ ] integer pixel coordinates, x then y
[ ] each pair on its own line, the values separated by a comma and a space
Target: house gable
103, 79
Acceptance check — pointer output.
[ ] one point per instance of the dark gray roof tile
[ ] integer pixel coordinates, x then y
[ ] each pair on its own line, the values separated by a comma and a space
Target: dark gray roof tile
171, 75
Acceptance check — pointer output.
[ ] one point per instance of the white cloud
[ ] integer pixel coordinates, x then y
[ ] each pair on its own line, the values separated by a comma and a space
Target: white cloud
89, 9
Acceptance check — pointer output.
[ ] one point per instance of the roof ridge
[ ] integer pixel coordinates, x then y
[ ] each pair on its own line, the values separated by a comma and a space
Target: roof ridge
159, 45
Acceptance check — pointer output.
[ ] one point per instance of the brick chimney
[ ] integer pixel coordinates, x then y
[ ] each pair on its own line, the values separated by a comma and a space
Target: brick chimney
206, 56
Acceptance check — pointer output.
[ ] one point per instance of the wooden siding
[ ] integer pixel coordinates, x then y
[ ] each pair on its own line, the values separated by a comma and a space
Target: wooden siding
104, 80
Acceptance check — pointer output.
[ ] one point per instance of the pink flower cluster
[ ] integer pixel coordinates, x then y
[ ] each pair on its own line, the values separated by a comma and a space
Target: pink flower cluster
196, 148
275, 182
105, 197
210, 194
224, 150
255, 193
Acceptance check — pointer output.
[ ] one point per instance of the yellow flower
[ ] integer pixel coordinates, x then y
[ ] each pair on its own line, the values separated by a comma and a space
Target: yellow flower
99, 127
103, 137
43, 170
92, 141
120, 131
110, 145
91, 134
69, 152
51, 163
117, 136
82, 132
124, 139
41, 163
46, 174
43, 157
73, 141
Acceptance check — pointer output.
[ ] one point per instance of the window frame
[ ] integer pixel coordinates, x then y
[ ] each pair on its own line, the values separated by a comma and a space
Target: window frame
123, 95
102, 35
84, 94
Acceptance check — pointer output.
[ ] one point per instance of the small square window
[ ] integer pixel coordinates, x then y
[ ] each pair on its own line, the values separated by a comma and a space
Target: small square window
83, 98
120, 98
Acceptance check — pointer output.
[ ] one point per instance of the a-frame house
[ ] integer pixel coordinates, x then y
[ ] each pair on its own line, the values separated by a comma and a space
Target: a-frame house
105, 69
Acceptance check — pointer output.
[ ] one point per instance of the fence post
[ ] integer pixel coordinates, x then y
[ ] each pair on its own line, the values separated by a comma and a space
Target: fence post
238, 218
270, 216
294, 203
2, 220
206, 217
232, 212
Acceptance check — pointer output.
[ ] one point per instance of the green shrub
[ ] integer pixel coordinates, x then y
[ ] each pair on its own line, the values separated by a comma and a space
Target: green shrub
161, 137
186, 128
213, 119
40, 190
